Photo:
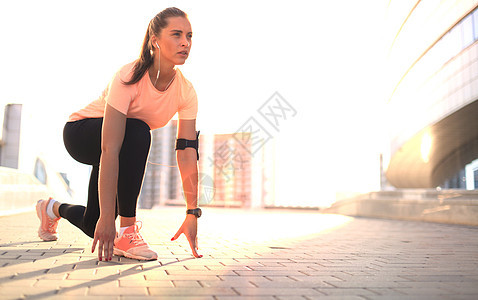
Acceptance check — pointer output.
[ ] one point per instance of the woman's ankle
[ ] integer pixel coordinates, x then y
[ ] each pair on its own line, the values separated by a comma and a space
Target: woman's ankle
56, 209
127, 221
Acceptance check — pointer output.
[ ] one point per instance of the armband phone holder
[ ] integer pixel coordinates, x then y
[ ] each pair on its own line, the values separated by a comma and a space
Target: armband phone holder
182, 144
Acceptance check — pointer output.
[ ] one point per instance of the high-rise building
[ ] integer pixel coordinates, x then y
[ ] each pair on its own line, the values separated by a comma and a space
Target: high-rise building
161, 181
232, 171
229, 175
10, 136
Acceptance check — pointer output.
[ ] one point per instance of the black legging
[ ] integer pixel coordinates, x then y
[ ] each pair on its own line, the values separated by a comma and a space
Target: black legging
83, 142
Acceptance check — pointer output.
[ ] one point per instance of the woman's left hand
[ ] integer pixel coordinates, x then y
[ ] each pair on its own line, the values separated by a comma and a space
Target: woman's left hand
189, 228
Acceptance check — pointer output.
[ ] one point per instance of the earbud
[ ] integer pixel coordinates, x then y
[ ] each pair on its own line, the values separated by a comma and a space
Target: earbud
157, 75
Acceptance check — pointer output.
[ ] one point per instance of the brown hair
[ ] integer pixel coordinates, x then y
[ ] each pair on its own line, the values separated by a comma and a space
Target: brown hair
155, 26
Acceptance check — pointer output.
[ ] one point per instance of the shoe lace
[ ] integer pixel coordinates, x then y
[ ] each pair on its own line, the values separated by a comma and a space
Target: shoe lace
52, 225
136, 237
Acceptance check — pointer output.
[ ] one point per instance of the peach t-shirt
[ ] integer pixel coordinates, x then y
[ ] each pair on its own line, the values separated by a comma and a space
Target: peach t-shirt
143, 101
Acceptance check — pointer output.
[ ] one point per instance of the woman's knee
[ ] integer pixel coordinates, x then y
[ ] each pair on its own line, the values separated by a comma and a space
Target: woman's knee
82, 140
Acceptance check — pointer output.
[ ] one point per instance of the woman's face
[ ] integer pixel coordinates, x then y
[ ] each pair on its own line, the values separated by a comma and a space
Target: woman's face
175, 41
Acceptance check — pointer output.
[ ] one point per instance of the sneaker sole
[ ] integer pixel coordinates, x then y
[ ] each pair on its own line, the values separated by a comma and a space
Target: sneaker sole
119, 252
39, 214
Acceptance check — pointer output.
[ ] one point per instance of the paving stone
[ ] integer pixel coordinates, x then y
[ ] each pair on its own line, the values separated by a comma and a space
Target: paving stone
205, 291
386, 291
255, 279
187, 283
289, 297
423, 297
440, 278
269, 273
373, 278
72, 291
21, 292
75, 283
134, 276
179, 277
231, 284
362, 259
276, 291
317, 278
285, 279
343, 297
145, 283
127, 291
169, 298
346, 291
185, 272
246, 297
293, 284
368, 284
459, 289
19, 283
39, 274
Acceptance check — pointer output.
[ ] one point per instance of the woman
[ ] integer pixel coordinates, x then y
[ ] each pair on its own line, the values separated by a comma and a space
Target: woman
113, 135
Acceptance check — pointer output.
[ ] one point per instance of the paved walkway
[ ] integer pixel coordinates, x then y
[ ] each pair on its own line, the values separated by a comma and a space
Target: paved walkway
277, 254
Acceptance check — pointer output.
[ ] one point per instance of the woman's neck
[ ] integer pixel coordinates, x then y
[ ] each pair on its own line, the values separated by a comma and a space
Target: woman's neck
162, 80
165, 71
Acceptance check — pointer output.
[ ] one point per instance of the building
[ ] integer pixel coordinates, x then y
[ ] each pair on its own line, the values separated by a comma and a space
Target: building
162, 183
10, 136
25, 176
229, 175
433, 99
232, 175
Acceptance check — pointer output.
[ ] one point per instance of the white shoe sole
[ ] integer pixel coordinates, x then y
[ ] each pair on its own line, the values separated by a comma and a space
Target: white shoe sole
120, 252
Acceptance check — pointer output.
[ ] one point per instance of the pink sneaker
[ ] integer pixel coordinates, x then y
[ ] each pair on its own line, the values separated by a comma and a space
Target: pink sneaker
132, 245
47, 230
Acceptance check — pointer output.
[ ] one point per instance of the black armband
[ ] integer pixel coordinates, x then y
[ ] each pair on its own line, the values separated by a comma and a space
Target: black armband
182, 144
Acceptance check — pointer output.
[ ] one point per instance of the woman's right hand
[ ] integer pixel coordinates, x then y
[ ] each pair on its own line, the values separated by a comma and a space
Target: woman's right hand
105, 233
112, 136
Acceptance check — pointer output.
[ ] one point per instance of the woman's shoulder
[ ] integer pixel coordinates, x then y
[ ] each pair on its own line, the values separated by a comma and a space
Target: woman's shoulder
187, 89
126, 71
183, 79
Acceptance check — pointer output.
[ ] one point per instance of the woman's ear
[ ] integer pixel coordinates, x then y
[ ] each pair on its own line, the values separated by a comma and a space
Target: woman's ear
154, 42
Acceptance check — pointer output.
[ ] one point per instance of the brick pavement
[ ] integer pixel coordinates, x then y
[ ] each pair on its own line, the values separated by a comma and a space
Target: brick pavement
280, 254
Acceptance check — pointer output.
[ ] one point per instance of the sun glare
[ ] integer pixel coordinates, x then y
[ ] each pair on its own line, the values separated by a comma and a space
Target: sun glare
283, 227
426, 147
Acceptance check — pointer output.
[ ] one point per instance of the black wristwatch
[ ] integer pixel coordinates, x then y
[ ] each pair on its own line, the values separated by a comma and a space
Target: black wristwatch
197, 212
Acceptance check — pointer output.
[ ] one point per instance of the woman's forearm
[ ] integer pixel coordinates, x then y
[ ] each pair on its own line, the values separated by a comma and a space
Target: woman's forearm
187, 162
112, 137
108, 184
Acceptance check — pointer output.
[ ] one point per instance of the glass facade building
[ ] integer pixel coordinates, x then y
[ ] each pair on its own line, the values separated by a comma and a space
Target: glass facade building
433, 102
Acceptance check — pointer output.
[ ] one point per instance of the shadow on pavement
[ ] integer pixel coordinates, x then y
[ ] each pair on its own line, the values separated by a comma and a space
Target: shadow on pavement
21, 243
91, 264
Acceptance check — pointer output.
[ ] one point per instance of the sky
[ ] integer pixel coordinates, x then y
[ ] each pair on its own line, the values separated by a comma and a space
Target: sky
325, 58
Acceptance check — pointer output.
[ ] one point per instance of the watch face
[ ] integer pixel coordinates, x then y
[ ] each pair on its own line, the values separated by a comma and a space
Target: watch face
196, 212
